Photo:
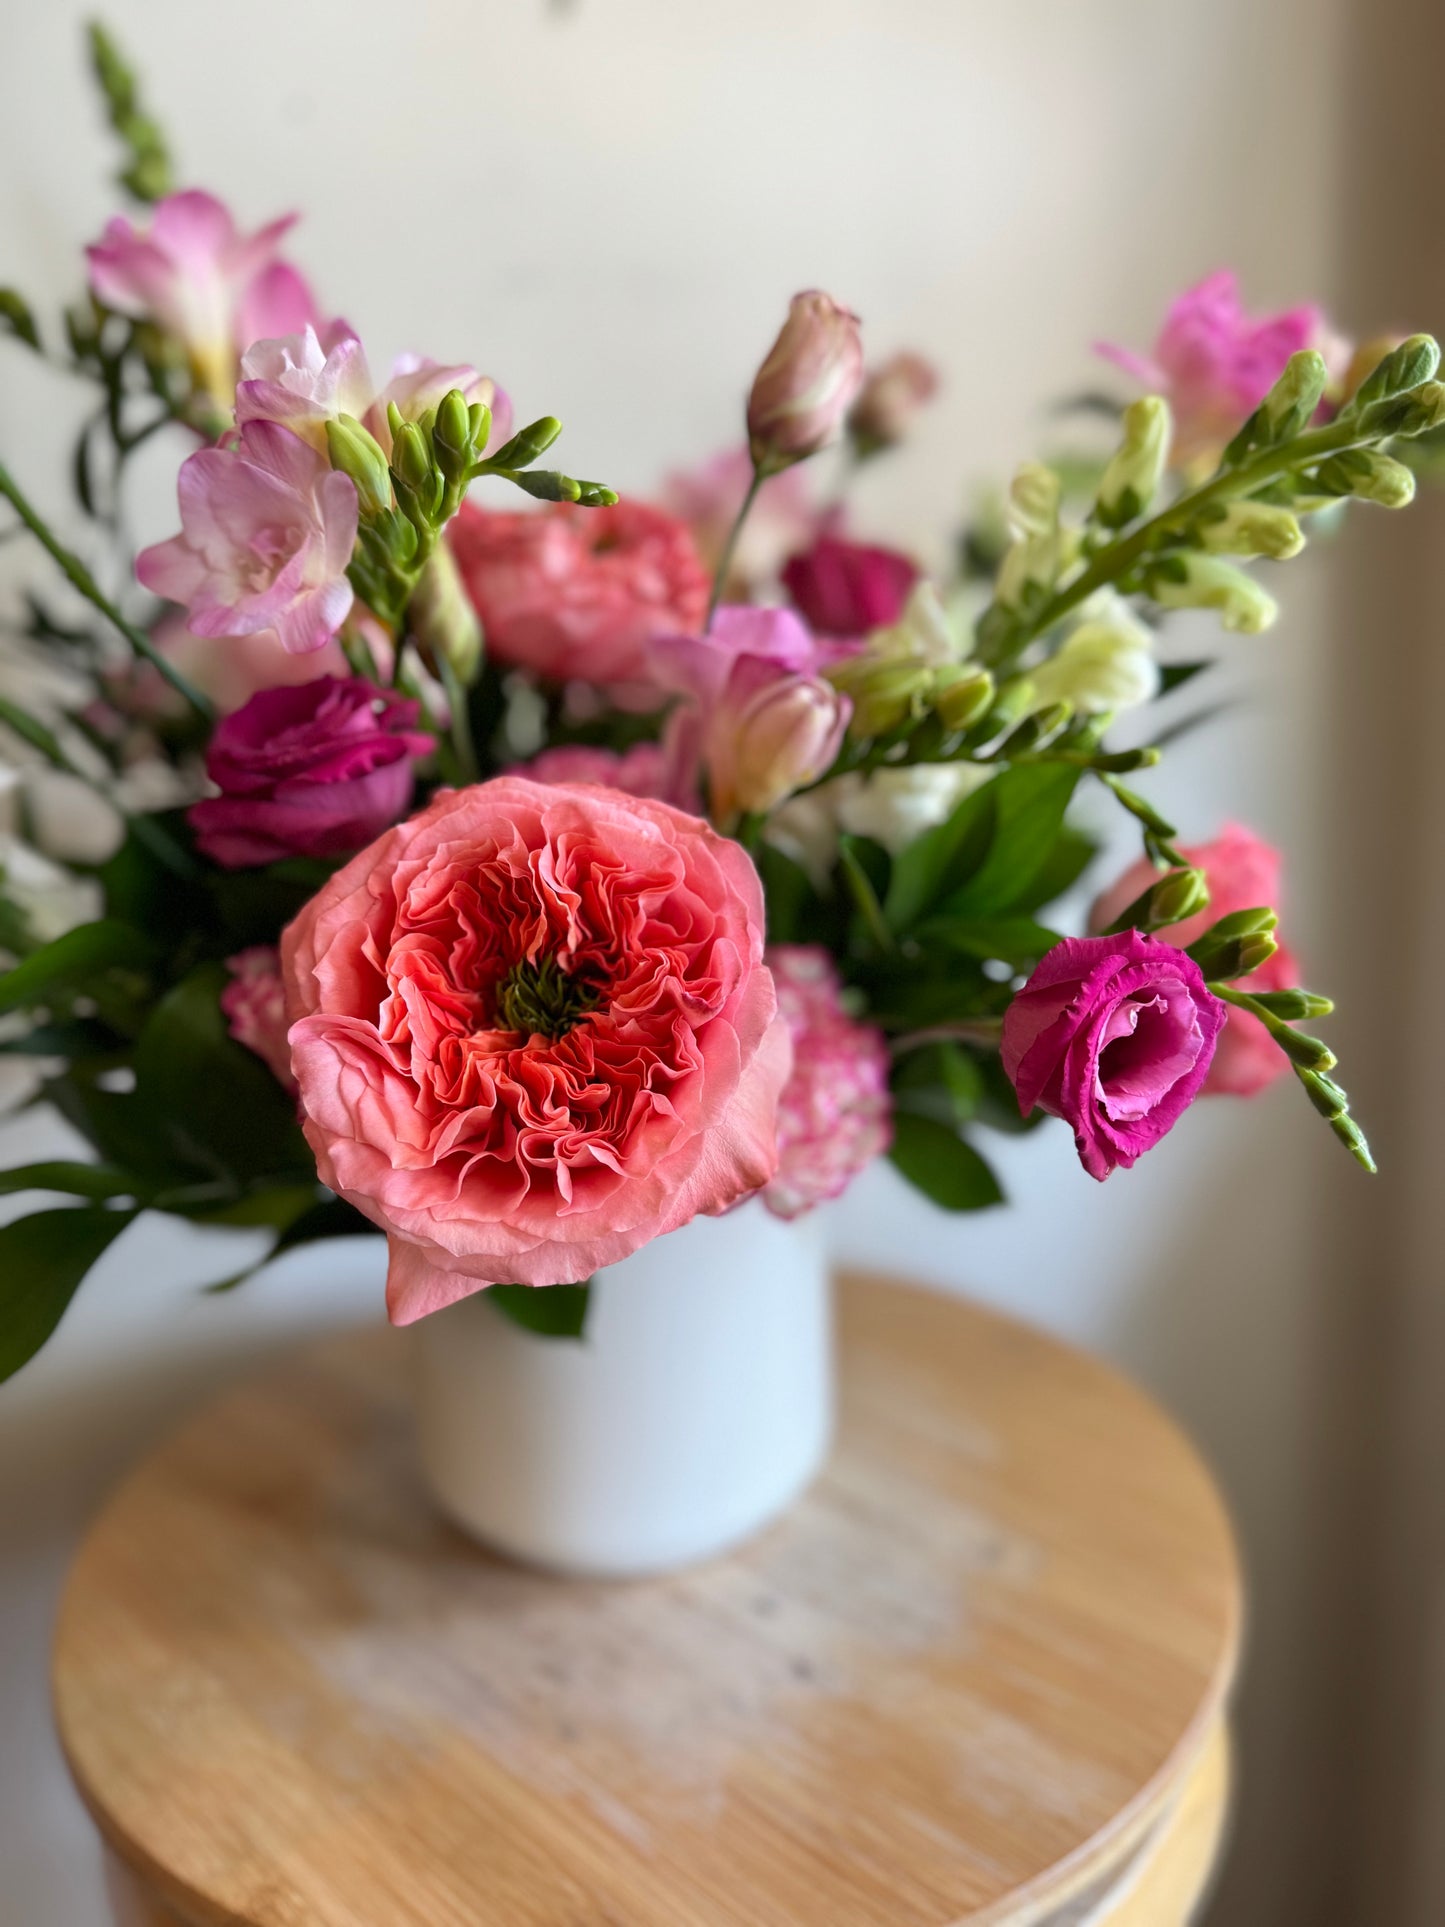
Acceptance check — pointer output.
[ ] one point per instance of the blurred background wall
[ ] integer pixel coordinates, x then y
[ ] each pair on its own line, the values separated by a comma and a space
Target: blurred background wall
607, 203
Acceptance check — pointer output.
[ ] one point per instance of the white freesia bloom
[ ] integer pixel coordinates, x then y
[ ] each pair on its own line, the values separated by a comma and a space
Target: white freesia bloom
1106, 663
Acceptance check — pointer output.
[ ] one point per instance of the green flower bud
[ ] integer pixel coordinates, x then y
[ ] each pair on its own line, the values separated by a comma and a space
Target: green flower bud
595, 495
1293, 1005
1042, 727
962, 696
1370, 476
1415, 413
358, 454
1325, 1094
1033, 501
411, 458
885, 694
1260, 921
1302, 1049
1181, 894
1205, 582
528, 443
1289, 407
1252, 528
441, 619
452, 436
479, 426
1131, 479
1404, 368
548, 485
1016, 698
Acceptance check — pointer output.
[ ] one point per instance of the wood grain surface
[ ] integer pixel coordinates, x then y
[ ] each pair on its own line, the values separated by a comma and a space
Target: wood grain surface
970, 1678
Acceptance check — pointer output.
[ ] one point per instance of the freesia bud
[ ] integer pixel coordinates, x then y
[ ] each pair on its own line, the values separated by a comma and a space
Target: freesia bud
1169, 900
411, 458
1415, 413
1252, 528
1131, 479
1207, 582
442, 620
890, 397
962, 696
360, 455
1370, 476
1033, 501
804, 388
1392, 369
1289, 407
770, 734
1015, 699
452, 436
885, 692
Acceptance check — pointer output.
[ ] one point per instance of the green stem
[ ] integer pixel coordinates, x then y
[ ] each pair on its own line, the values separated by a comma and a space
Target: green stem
725, 560
1120, 556
81, 579
461, 731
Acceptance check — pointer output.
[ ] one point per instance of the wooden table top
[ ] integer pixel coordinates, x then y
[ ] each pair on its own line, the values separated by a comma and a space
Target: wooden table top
969, 1678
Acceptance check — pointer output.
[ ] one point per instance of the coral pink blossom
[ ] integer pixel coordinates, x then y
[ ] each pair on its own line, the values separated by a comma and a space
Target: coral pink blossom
782, 520
835, 1116
1243, 873
806, 385
1215, 364
644, 770
267, 530
254, 1007
533, 1030
1115, 1036
847, 589
578, 594
314, 771
215, 290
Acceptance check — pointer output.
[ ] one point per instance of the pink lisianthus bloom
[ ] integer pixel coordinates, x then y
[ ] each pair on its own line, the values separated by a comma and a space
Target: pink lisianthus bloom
890, 397
191, 273
848, 589
1243, 873
1215, 364
267, 531
835, 1115
578, 594
782, 520
313, 771
254, 1007
644, 770
533, 1030
806, 385
1115, 1036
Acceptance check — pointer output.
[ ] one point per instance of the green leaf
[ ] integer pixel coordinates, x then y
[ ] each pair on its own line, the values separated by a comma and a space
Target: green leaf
31, 730
787, 891
941, 1165
1012, 940
854, 854
550, 1311
77, 1180
1065, 863
941, 858
72, 962
43, 1259
1174, 675
940, 1080
1029, 806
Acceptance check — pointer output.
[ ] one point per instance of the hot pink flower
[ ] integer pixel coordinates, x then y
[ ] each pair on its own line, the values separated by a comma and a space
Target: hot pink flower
254, 1006
578, 594
215, 290
835, 1116
849, 588
533, 1030
1115, 1036
267, 530
644, 770
1215, 364
1243, 873
314, 771
806, 385
782, 520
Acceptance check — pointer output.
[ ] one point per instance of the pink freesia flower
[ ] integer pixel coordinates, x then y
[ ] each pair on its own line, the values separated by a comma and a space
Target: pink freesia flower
644, 770
533, 1030
835, 1115
305, 380
782, 519
846, 589
418, 384
215, 290
314, 771
1115, 1036
267, 530
806, 386
254, 1007
1243, 873
1215, 364
578, 594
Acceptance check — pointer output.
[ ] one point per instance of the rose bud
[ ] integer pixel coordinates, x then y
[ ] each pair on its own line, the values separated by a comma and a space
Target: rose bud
770, 734
804, 389
890, 397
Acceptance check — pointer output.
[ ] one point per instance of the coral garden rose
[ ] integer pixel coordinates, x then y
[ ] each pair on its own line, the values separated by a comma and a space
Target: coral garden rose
1243, 873
578, 594
253, 1004
847, 588
267, 530
533, 1029
1115, 1036
835, 1116
311, 771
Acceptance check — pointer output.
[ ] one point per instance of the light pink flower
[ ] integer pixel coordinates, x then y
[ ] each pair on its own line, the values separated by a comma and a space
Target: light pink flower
418, 384
644, 770
578, 594
890, 397
494, 1151
782, 519
215, 290
305, 380
254, 1006
1115, 1036
1243, 873
1215, 364
835, 1115
806, 386
230, 669
267, 531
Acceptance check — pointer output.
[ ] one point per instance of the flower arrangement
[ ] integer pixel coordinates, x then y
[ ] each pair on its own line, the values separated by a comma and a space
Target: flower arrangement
523, 883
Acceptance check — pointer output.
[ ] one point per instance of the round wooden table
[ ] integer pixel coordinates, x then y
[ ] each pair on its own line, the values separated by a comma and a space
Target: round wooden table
979, 1674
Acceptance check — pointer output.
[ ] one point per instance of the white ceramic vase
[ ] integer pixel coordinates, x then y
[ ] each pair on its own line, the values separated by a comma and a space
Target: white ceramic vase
696, 1407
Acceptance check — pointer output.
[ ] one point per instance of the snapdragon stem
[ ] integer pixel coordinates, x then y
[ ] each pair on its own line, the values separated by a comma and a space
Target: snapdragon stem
725, 560
84, 582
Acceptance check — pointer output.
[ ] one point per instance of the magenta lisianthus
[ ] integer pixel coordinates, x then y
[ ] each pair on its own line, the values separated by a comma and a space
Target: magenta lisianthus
1215, 363
834, 1116
1243, 873
533, 1030
212, 288
311, 771
1114, 1035
267, 531
845, 589
253, 1004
